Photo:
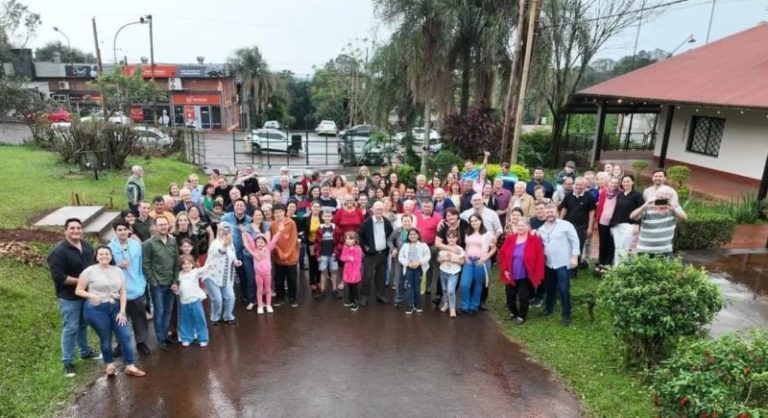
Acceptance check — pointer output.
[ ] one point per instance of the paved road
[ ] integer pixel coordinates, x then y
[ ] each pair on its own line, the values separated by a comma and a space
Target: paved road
322, 360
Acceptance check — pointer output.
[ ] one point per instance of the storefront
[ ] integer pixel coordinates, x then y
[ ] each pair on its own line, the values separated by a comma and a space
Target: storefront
201, 110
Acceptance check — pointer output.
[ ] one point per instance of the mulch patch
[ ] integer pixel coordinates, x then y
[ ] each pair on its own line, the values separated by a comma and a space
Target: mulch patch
22, 252
30, 235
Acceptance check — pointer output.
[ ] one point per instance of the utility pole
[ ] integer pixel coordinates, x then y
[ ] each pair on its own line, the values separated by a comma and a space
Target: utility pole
711, 16
101, 68
524, 81
152, 65
513, 83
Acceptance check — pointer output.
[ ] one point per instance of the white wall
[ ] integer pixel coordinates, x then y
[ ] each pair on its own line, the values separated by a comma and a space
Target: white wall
742, 151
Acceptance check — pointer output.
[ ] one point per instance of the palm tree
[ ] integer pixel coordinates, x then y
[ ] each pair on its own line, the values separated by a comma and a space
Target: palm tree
256, 82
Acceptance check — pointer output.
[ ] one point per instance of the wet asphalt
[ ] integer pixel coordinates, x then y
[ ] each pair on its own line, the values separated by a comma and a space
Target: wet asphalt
321, 360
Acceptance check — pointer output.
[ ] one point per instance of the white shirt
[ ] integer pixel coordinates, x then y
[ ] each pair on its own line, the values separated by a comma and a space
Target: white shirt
379, 234
189, 286
490, 218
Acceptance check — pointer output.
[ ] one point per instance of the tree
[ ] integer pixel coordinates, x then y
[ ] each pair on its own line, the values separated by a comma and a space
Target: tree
571, 33
330, 93
256, 82
47, 52
300, 108
121, 91
17, 25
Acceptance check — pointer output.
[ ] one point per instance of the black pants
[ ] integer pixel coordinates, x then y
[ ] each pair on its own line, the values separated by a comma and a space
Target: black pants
606, 245
374, 270
314, 270
523, 290
283, 273
581, 231
353, 293
135, 310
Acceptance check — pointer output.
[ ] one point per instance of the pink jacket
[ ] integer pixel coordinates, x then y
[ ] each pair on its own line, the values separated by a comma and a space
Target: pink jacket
262, 262
353, 263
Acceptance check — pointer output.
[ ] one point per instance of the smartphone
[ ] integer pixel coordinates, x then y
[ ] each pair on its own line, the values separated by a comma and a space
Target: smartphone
659, 202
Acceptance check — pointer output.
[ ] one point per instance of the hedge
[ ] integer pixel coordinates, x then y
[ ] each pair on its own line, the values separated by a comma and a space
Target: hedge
704, 231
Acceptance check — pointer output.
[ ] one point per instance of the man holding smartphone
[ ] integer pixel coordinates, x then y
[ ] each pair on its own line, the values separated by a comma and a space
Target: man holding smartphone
658, 219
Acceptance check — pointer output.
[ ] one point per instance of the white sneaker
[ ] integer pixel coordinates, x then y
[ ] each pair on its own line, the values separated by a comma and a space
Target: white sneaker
260, 310
249, 307
269, 309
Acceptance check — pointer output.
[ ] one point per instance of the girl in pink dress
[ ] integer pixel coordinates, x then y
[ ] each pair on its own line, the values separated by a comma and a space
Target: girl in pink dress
352, 257
262, 266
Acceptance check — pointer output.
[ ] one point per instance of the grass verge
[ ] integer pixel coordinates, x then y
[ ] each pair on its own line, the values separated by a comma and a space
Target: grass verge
34, 181
585, 355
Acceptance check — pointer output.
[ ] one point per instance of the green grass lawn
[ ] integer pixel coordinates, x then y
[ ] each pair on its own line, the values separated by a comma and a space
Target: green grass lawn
585, 355
33, 382
34, 182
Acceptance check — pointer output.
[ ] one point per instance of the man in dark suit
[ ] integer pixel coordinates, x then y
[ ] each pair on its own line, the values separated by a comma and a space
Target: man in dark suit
373, 240
186, 203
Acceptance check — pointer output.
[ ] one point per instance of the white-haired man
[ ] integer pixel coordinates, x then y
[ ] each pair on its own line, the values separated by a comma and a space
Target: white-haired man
135, 190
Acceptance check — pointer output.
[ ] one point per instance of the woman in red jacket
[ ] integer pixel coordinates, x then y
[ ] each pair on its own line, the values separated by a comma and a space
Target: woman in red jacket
521, 268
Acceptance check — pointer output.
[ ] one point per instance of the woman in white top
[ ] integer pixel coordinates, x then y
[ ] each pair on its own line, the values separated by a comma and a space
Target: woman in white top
103, 287
414, 256
220, 279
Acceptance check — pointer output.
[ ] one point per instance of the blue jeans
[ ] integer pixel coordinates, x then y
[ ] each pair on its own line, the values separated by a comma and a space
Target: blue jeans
472, 283
74, 329
192, 321
558, 280
396, 272
449, 281
413, 283
103, 319
163, 299
222, 301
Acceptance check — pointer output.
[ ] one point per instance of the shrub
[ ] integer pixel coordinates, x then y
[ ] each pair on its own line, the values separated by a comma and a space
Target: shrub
727, 377
679, 174
477, 131
653, 302
108, 143
442, 162
638, 166
704, 231
535, 148
406, 174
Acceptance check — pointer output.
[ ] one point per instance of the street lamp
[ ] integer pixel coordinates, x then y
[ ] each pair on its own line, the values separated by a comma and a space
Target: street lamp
141, 21
71, 57
689, 40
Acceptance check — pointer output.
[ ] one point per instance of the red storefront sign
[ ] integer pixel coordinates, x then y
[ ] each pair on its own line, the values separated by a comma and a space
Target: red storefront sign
147, 71
137, 114
196, 99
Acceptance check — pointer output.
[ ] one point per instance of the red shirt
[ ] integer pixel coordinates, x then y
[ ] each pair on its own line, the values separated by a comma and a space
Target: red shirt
347, 220
427, 226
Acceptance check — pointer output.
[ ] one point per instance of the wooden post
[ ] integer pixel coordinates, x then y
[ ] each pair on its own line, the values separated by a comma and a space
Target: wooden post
513, 85
597, 145
670, 117
761, 194
101, 68
523, 82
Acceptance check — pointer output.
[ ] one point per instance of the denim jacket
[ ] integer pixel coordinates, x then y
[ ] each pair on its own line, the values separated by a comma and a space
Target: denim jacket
135, 282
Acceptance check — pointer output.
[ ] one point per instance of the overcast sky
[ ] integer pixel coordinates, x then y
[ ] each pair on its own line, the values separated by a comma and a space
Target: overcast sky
297, 34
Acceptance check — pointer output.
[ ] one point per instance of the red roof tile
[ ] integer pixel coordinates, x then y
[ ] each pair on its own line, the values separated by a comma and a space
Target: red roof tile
732, 71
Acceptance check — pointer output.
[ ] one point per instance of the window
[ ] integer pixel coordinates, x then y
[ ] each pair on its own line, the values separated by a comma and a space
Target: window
706, 135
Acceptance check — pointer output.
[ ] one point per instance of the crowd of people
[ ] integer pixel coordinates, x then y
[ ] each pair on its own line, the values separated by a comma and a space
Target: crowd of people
357, 240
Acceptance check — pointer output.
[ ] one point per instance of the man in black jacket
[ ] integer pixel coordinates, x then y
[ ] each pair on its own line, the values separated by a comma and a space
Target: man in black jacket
373, 240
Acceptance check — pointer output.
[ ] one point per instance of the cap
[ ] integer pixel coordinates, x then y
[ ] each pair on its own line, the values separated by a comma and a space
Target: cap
570, 164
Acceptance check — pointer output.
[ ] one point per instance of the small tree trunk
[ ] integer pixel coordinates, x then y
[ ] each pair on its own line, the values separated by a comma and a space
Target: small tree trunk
425, 145
465, 76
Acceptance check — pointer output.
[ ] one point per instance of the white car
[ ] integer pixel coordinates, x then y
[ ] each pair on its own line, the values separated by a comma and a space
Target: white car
117, 117
271, 124
327, 127
269, 140
152, 136
418, 135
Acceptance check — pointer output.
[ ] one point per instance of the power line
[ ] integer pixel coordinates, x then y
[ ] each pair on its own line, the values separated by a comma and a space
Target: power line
629, 12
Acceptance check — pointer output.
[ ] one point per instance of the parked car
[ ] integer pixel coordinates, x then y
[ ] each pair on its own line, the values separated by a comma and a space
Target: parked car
418, 135
116, 117
271, 140
356, 147
271, 124
327, 127
152, 136
60, 115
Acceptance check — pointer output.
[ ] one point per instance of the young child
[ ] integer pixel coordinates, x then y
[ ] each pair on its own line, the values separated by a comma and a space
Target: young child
414, 256
262, 266
192, 316
352, 256
450, 261
326, 249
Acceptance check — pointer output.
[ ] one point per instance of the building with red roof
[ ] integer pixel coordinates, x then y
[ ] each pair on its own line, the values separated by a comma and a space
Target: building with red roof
712, 103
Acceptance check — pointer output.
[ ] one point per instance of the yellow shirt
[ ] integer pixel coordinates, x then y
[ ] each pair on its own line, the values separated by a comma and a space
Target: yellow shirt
314, 225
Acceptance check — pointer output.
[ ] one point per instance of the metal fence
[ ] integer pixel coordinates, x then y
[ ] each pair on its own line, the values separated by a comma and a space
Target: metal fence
194, 146
579, 145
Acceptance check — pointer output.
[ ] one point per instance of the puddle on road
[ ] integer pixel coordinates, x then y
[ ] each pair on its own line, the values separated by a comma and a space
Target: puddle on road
743, 280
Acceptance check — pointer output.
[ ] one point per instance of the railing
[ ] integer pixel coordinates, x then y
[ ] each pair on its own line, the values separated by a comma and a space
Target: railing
579, 145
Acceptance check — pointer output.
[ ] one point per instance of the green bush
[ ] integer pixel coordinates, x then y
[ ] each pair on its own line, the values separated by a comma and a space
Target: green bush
406, 174
638, 166
653, 302
535, 147
704, 231
727, 377
441, 163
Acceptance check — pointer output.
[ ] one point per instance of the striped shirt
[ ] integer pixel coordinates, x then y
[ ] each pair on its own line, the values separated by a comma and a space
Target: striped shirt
657, 230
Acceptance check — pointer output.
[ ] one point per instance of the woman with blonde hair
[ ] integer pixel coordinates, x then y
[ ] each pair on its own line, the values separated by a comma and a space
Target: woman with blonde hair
220, 278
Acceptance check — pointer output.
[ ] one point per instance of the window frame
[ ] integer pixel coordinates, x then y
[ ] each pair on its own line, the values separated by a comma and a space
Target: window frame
695, 119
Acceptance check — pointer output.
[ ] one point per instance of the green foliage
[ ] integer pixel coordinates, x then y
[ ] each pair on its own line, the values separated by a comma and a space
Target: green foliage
727, 377
653, 302
97, 143
477, 131
121, 91
535, 147
679, 174
75, 55
522, 173
440, 164
704, 231
406, 174
638, 166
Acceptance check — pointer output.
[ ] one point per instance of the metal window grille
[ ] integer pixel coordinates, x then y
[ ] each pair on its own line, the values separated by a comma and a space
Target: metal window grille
706, 135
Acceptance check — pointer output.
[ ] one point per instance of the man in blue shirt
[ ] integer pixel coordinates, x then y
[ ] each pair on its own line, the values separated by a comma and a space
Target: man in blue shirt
561, 248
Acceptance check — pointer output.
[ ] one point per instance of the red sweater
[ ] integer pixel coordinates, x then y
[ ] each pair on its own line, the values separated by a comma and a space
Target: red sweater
348, 220
533, 258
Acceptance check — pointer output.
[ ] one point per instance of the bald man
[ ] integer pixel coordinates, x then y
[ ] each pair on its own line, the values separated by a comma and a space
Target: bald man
373, 239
